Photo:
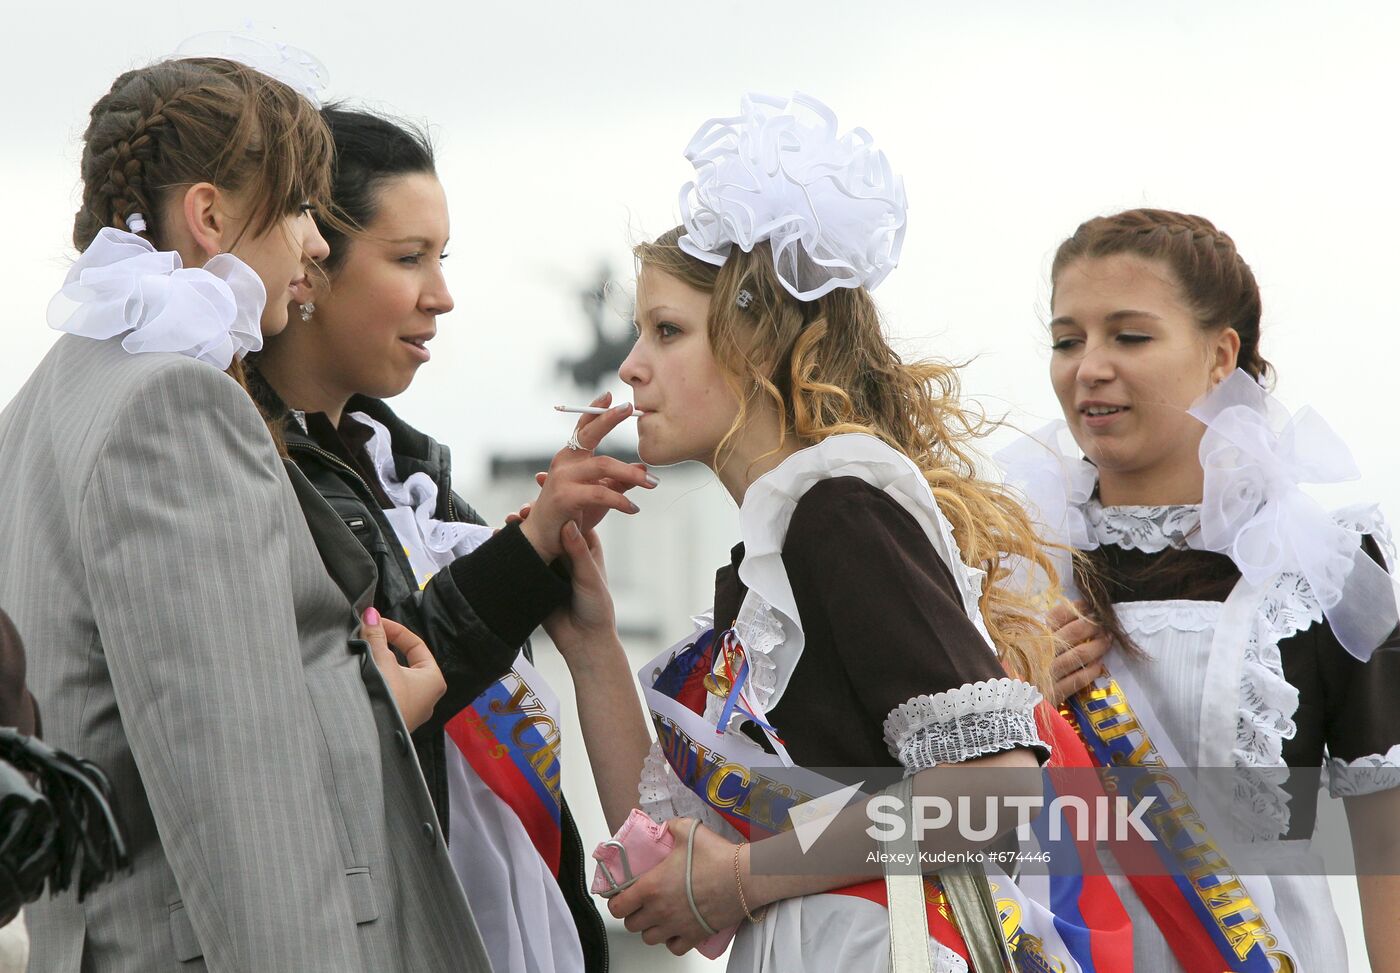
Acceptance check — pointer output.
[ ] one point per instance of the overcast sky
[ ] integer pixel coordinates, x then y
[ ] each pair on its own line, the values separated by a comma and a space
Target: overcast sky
560, 128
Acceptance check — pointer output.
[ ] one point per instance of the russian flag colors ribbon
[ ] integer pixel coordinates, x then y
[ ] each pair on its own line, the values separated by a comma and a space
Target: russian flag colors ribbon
1210, 918
510, 736
1080, 926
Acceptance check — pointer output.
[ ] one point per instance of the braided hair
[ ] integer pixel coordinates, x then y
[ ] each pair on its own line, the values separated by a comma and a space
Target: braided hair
179, 122
1221, 292
1218, 285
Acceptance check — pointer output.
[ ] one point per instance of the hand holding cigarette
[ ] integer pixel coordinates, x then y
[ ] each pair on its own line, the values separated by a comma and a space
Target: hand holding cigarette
580, 486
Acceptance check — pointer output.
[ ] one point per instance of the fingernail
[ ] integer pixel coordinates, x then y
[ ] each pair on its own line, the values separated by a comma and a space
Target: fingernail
571, 528
371, 616
635, 508
651, 480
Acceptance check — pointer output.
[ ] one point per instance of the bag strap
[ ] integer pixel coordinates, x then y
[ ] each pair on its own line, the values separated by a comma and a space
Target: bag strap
909, 950
970, 896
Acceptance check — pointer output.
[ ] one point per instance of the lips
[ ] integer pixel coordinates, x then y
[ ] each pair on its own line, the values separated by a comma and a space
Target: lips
418, 345
1097, 415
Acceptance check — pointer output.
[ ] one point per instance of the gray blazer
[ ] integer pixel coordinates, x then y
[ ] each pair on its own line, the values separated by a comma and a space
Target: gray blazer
184, 633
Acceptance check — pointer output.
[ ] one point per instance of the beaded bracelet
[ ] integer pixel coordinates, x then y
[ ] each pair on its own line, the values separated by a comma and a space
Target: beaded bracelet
755, 919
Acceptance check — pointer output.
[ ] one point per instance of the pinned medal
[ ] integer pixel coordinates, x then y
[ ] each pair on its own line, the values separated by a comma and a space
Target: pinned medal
720, 679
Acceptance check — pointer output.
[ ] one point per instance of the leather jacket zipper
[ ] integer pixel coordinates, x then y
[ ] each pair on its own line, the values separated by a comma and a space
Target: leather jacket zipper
335, 461
583, 886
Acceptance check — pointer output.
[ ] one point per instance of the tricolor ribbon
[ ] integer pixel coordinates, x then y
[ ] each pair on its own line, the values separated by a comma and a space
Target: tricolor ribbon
731, 649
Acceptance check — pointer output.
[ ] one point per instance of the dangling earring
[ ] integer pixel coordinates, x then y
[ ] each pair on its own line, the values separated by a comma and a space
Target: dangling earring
307, 309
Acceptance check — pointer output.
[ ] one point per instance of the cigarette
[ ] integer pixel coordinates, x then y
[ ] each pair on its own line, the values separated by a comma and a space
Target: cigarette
592, 410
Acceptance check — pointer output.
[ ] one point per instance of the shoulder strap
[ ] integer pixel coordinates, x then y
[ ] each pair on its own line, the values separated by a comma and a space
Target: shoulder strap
908, 916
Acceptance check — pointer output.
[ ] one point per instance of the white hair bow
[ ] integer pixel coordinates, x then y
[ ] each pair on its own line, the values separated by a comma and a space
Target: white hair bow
829, 204
1255, 457
294, 67
122, 285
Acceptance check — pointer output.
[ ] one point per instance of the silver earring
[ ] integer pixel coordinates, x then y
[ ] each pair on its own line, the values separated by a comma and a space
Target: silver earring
307, 310
743, 299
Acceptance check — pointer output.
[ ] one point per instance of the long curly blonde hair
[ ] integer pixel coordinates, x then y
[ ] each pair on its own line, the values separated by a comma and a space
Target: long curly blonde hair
826, 366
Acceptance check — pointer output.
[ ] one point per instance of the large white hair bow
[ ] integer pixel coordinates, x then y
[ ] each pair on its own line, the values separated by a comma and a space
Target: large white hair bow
1055, 482
121, 284
829, 205
1255, 456
297, 69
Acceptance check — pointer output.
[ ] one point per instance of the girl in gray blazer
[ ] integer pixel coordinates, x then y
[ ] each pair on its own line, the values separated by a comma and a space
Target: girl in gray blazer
184, 632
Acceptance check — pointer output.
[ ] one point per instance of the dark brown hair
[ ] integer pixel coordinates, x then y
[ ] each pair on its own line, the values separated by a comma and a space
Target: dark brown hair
180, 122
1222, 293
370, 150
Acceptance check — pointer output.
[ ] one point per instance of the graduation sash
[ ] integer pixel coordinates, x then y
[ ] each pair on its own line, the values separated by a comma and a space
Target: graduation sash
1212, 918
754, 790
510, 737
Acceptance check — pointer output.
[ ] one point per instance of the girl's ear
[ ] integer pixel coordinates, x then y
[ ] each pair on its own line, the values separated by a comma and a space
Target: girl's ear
205, 219
1225, 355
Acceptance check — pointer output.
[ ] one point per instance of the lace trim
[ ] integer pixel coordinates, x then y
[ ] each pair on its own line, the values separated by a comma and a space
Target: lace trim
662, 796
1151, 617
964, 723
945, 960
1367, 519
1268, 702
760, 632
1147, 529
1370, 774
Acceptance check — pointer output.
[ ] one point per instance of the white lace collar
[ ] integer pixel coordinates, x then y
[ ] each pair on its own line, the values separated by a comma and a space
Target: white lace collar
766, 513
1255, 456
1145, 528
122, 285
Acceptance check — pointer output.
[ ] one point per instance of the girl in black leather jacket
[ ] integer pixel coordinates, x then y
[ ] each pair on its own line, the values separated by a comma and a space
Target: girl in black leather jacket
490, 752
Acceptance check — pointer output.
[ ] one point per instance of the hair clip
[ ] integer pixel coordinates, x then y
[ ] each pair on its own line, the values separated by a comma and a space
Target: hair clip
744, 299
136, 223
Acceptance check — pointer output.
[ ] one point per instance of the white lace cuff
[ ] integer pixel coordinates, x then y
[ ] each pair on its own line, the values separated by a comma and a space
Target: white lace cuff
1370, 774
964, 723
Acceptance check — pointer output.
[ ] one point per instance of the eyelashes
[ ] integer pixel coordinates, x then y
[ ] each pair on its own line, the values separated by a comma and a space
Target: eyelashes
1067, 344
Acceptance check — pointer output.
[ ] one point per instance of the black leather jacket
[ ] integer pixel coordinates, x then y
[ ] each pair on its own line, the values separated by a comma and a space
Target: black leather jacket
474, 615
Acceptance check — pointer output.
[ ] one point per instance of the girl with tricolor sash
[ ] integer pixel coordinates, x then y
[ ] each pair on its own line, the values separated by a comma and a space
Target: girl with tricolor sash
854, 626
491, 749
1247, 630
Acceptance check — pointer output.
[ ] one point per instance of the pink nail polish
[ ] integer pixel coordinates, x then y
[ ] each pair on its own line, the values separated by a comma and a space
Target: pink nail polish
371, 616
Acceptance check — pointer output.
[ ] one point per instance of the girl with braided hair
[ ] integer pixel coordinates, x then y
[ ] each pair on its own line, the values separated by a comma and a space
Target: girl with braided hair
185, 632
1227, 620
